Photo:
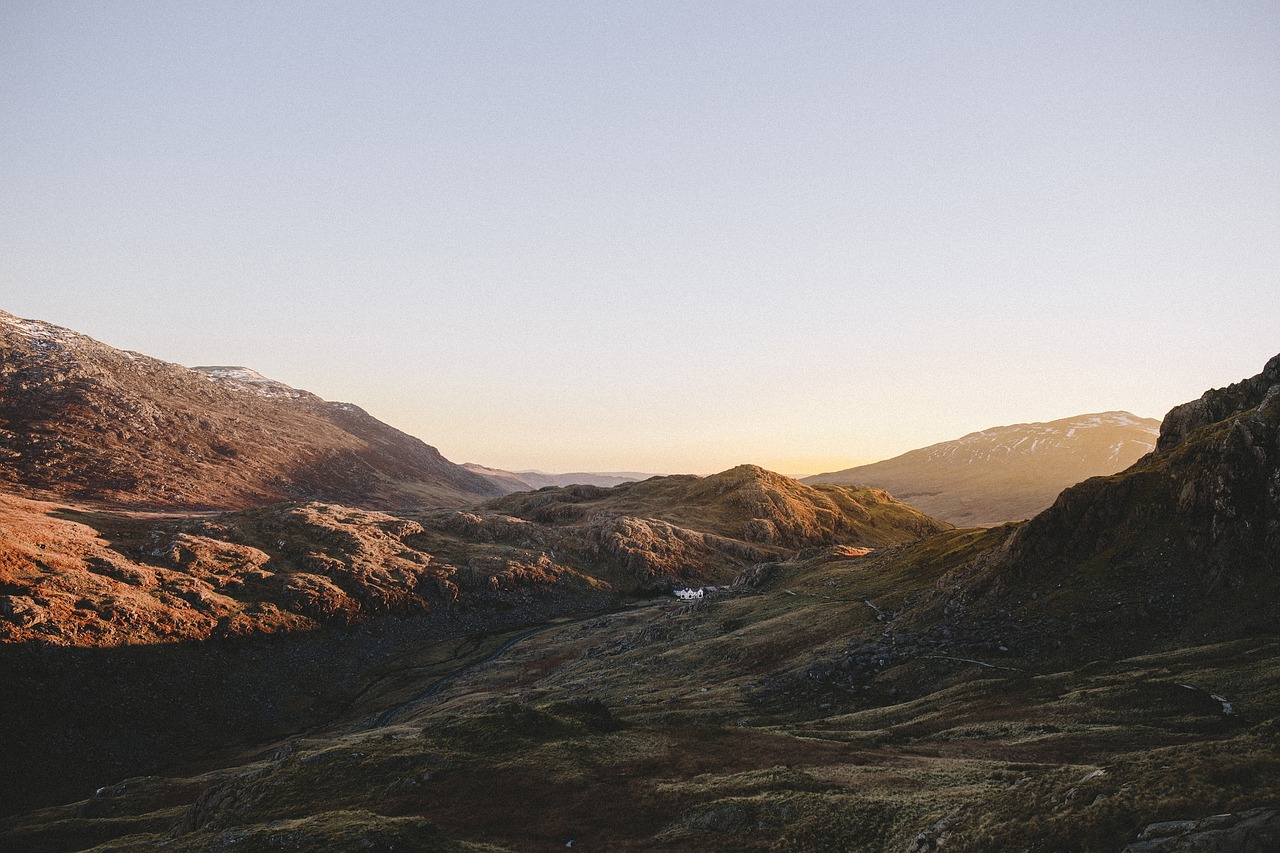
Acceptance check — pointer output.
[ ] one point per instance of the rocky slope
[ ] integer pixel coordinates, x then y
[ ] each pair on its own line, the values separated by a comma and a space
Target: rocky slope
708, 528
1007, 473
1188, 536
84, 421
1181, 548
78, 576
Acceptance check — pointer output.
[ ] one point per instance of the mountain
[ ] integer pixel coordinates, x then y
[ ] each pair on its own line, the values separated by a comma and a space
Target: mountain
746, 503
1103, 677
1187, 540
528, 481
84, 421
1006, 473
1181, 548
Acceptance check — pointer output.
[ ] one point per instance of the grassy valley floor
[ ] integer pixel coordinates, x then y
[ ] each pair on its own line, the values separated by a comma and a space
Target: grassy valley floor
714, 727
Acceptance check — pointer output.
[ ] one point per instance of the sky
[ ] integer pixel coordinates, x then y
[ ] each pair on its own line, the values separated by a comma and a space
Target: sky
660, 237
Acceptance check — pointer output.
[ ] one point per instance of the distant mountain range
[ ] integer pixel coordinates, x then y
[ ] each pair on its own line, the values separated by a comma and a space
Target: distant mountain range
83, 420
528, 481
1006, 473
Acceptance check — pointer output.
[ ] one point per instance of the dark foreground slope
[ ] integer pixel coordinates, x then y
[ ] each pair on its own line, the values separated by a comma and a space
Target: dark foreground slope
1007, 473
1013, 688
84, 421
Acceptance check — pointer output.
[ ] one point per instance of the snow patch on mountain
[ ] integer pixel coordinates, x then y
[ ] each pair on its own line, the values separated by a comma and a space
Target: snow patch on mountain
248, 380
1043, 437
43, 335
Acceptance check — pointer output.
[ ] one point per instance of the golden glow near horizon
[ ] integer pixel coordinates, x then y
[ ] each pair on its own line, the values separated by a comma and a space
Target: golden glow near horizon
658, 237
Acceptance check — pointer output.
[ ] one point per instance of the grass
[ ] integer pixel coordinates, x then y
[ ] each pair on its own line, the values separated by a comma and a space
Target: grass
639, 731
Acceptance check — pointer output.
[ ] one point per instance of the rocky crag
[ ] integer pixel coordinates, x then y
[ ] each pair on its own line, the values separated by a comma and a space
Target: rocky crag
1182, 547
90, 577
1190, 532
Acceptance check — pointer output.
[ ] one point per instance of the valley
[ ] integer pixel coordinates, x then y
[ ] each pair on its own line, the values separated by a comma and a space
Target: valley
667, 728
439, 427
252, 668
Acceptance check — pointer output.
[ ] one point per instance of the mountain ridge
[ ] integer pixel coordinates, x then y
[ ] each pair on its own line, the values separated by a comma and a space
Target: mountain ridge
1006, 473
82, 420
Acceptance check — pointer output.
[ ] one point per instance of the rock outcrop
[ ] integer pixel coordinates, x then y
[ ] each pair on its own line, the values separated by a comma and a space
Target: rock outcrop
1254, 831
686, 528
1204, 507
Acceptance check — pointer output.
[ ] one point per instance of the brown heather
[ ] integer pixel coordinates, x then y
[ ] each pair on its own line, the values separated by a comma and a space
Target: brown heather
468, 679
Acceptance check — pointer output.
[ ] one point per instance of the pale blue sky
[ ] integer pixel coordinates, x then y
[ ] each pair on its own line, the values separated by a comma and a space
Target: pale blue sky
658, 236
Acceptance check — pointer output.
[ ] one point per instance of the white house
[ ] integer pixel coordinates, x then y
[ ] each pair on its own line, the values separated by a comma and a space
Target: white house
689, 594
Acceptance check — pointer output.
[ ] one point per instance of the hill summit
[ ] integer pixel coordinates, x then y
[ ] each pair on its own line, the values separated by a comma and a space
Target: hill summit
747, 503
